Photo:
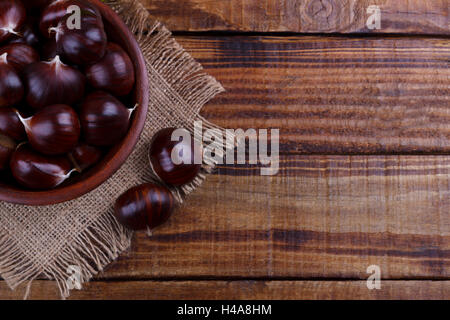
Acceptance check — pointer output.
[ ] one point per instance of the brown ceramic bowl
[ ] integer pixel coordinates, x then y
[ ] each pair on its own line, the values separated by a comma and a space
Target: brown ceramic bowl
79, 185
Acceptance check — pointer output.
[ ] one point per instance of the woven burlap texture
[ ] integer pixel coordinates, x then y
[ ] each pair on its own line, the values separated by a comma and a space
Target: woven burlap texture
46, 241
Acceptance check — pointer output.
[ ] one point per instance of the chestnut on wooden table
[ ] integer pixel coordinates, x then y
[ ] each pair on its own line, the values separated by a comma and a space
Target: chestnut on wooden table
145, 206
174, 161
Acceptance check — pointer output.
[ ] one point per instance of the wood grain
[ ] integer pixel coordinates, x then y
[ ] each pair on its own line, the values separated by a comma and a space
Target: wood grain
311, 231
321, 217
304, 16
333, 95
235, 290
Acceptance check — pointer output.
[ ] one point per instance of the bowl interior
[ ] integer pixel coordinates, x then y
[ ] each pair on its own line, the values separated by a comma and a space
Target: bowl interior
81, 184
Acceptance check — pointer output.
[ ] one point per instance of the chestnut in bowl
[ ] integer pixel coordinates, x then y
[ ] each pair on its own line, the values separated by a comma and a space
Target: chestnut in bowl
54, 130
11, 87
113, 73
84, 156
83, 46
104, 119
12, 17
53, 82
19, 55
10, 124
56, 10
80, 184
35, 171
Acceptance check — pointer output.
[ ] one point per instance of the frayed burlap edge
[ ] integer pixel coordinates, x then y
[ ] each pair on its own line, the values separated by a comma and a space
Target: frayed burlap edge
100, 244
174, 77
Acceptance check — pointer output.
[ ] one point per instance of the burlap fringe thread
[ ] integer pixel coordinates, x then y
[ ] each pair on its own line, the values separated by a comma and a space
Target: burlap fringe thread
177, 76
99, 245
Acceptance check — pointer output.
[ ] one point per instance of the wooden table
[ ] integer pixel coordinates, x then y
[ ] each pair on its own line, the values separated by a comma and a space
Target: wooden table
364, 119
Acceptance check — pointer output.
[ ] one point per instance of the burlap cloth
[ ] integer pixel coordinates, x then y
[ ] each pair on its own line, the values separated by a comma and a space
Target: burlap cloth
45, 241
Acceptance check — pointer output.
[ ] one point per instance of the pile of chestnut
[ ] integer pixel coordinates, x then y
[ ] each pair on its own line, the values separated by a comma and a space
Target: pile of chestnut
63, 90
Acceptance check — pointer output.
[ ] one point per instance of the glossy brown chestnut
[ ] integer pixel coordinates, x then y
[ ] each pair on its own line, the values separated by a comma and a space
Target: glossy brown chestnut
12, 17
20, 55
113, 73
53, 14
85, 156
144, 206
173, 161
104, 119
10, 124
11, 88
83, 46
7, 147
35, 171
53, 82
54, 130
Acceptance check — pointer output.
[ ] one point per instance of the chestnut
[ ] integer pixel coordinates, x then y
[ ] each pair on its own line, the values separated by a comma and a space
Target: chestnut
35, 171
54, 130
10, 124
12, 17
144, 206
20, 55
84, 156
53, 14
113, 73
7, 147
82, 46
11, 88
53, 82
173, 161
104, 119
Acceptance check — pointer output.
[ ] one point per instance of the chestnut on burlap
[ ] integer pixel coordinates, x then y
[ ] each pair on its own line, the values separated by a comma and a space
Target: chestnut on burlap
45, 242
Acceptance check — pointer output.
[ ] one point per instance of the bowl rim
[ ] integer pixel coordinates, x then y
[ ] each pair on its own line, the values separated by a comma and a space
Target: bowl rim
117, 156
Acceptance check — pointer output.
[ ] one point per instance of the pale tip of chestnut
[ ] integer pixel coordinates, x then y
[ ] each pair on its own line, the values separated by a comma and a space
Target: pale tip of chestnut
57, 30
11, 30
4, 58
68, 174
56, 61
25, 121
131, 111
77, 167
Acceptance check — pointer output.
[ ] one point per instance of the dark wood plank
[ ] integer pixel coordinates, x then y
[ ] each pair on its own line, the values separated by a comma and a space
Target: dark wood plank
333, 95
320, 217
237, 290
305, 16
